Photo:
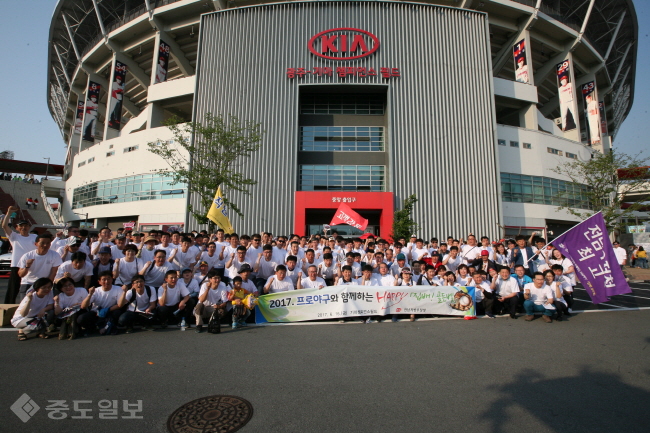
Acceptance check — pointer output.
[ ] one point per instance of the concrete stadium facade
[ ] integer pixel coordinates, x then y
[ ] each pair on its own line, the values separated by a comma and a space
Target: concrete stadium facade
363, 103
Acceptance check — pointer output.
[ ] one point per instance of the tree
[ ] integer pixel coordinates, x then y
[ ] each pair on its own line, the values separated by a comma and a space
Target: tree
403, 224
599, 186
211, 159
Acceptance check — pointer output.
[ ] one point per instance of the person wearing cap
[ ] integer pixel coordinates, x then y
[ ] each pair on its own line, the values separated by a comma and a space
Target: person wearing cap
247, 282
136, 239
213, 296
78, 269
483, 262
201, 275
147, 248
117, 250
400, 263
72, 245
103, 263
187, 277
38, 263
22, 241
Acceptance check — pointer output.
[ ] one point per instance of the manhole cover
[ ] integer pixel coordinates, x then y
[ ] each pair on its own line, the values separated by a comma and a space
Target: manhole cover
217, 413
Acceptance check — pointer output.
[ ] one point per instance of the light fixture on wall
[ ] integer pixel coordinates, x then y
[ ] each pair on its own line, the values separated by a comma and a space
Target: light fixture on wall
192, 32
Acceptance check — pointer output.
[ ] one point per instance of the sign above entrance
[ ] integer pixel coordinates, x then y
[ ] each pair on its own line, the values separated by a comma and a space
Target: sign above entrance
344, 43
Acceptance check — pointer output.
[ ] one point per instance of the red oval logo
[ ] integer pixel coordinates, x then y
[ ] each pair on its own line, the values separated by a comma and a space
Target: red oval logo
345, 43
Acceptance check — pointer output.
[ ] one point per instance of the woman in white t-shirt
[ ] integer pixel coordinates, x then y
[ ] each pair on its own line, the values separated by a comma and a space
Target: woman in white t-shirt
502, 257
404, 279
38, 303
557, 258
127, 267
67, 305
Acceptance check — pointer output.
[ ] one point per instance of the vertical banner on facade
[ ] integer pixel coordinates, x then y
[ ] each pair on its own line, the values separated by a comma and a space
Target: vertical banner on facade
79, 119
590, 98
117, 93
521, 61
588, 246
163, 63
567, 98
603, 117
90, 118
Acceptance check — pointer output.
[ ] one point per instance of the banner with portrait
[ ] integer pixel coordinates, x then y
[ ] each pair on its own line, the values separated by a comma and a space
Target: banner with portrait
163, 63
568, 106
339, 302
79, 117
117, 94
592, 116
603, 117
521, 62
90, 115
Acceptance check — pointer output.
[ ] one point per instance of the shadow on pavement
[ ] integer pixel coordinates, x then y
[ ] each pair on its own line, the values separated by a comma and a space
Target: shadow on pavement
590, 401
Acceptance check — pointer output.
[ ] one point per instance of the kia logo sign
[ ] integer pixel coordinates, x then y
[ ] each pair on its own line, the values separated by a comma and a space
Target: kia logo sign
344, 43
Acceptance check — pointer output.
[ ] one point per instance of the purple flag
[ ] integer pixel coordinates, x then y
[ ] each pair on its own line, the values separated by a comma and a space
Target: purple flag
589, 248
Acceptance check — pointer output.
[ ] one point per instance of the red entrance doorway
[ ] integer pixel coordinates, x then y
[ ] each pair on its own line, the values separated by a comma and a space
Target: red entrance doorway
319, 208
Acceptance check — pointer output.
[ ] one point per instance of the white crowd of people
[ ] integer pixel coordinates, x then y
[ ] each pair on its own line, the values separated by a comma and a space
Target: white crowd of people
81, 283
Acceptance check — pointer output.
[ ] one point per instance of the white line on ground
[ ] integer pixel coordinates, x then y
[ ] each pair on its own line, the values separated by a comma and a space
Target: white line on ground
602, 303
633, 296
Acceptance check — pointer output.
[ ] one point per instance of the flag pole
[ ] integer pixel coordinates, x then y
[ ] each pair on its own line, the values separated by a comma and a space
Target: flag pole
540, 249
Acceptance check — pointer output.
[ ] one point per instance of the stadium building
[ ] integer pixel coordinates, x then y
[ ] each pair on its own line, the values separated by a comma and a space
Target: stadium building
468, 104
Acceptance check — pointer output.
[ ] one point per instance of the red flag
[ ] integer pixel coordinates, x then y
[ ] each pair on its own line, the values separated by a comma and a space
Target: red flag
345, 215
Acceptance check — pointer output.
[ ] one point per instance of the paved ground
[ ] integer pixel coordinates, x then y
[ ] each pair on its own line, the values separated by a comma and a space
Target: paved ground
589, 373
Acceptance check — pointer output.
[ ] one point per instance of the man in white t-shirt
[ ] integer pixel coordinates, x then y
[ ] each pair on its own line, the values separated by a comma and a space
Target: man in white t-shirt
471, 251
312, 280
213, 296
506, 290
77, 268
38, 303
22, 242
279, 282
621, 254
174, 300
140, 302
383, 278
39, 263
101, 306
538, 299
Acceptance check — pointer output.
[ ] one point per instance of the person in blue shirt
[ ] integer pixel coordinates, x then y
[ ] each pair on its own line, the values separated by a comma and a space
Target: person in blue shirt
522, 280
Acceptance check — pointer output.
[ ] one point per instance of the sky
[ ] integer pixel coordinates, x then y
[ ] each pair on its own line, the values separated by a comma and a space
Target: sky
29, 130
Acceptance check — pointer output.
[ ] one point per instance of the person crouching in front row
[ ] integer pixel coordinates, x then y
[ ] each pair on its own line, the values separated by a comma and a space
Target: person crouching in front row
101, 305
174, 300
213, 296
140, 302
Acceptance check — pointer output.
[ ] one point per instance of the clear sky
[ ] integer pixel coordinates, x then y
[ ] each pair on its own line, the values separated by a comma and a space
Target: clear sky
29, 130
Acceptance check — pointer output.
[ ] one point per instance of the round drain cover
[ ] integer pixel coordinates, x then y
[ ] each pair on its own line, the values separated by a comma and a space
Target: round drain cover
217, 413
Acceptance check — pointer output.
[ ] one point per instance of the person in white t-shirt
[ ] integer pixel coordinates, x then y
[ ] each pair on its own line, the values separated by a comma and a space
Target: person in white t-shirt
140, 302
279, 282
312, 280
39, 263
79, 269
22, 242
538, 299
452, 260
174, 300
621, 254
147, 249
383, 278
103, 241
67, 305
213, 296
154, 272
328, 270
37, 303
470, 251
506, 292
101, 306
403, 280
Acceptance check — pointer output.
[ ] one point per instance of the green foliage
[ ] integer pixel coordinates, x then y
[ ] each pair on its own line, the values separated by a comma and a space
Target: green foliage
605, 189
212, 159
403, 224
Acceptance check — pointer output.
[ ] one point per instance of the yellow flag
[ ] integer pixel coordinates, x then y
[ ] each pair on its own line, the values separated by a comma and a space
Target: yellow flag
218, 213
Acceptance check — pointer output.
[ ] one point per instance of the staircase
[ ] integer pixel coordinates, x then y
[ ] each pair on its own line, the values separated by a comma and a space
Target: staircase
16, 194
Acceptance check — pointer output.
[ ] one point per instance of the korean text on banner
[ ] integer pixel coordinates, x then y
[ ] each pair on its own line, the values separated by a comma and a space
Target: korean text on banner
345, 215
337, 302
218, 213
589, 248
